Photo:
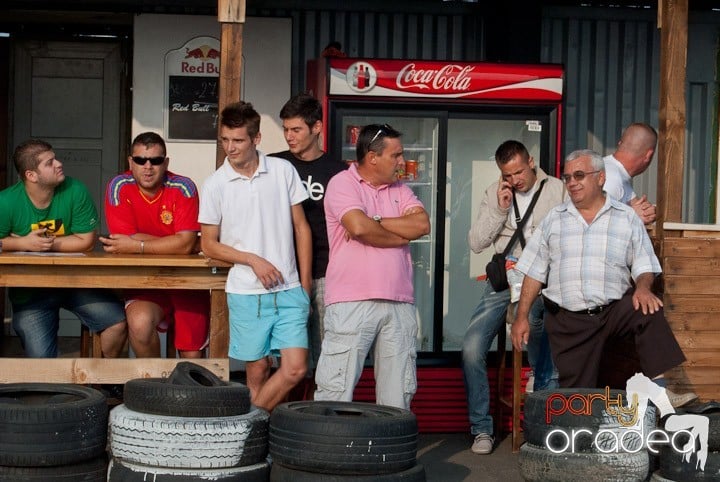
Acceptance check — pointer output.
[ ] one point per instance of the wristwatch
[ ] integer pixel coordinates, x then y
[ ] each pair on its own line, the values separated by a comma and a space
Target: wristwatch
377, 218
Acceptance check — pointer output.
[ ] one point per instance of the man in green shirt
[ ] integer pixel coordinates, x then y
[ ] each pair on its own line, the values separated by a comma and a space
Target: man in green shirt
47, 211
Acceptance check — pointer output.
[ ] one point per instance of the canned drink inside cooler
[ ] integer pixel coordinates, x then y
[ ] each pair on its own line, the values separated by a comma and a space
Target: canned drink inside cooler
411, 171
352, 134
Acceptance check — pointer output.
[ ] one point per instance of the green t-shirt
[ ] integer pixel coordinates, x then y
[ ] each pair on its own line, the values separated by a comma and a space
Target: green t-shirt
71, 211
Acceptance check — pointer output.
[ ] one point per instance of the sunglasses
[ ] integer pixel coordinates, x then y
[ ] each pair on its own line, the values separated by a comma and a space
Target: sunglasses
577, 175
155, 161
383, 128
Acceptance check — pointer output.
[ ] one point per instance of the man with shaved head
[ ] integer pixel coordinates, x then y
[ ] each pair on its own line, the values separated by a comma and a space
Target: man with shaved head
631, 158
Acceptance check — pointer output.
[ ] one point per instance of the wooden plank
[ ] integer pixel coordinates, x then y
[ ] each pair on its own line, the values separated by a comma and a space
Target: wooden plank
698, 285
690, 228
691, 248
98, 370
698, 358
676, 265
681, 321
691, 303
229, 88
699, 340
692, 376
231, 11
62, 276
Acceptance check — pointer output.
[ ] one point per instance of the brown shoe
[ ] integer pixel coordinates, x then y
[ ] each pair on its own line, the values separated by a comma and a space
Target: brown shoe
677, 400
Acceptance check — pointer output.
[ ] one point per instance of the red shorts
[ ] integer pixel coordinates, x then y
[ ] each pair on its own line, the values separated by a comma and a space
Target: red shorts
189, 310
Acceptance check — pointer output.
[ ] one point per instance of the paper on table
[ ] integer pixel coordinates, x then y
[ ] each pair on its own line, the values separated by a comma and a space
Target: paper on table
46, 253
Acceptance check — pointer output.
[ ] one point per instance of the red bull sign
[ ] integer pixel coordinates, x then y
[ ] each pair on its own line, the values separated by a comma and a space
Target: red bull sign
191, 80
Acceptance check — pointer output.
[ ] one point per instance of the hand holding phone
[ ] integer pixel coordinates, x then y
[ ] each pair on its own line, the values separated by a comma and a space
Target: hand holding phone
504, 194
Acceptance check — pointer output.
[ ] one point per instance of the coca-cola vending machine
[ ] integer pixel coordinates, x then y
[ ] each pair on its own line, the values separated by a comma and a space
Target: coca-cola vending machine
453, 116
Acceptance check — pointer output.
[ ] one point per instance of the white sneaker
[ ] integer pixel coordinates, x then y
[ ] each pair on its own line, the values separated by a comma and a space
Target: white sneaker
530, 386
483, 444
679, 399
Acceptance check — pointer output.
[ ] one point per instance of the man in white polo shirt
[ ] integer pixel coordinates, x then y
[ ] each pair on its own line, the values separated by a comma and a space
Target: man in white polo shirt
251, 215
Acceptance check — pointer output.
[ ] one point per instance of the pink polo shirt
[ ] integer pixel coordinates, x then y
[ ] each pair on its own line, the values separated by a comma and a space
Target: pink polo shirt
356, 271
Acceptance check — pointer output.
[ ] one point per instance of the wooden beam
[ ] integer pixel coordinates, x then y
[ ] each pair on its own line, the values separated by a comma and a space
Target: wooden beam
98, 370
231, 15
673, 21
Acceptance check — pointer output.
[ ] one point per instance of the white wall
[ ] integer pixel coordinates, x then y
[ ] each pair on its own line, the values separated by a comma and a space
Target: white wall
265, 80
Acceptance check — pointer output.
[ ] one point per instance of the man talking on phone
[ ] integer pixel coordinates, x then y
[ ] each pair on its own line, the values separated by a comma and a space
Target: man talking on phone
504, 202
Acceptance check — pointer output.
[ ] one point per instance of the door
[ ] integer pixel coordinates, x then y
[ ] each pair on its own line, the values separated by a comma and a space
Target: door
471, 168
68, 93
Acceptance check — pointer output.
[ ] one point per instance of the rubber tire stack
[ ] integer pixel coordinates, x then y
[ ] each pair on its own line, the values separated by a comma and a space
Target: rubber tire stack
674, 467
586, 462
52, 433
343, 441
189, 427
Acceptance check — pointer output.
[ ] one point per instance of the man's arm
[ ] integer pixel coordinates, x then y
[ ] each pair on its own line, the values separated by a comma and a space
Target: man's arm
414, 223
268, 274
35, 240
490, 219
303, 246
361, 227
178, 243
74, 243
520, 331
644, 209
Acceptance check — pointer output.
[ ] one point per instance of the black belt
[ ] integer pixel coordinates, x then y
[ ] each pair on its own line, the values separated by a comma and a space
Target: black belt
554, 308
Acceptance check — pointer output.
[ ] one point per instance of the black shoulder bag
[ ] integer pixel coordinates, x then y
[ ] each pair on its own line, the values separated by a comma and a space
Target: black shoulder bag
495, 269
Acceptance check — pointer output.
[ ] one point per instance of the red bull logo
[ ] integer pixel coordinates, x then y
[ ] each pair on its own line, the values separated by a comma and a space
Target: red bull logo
202, 52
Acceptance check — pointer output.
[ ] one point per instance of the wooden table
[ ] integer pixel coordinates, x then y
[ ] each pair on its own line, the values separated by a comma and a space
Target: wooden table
101, 270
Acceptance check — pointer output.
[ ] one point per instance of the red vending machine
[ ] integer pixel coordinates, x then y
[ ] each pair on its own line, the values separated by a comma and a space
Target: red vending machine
453, 116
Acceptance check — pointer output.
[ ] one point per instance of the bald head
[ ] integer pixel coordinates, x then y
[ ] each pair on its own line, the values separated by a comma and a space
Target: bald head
636, 147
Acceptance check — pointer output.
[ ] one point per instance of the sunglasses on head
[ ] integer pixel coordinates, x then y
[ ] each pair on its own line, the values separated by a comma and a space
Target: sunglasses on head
155, 161
381, 130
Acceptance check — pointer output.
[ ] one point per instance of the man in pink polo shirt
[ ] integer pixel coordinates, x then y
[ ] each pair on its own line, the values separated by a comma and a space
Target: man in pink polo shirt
371, 219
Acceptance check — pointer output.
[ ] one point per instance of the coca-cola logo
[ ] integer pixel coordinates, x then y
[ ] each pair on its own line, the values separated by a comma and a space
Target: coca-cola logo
361, 76
448, 77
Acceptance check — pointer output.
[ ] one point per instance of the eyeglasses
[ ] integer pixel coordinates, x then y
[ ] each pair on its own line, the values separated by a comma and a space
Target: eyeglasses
155, 161
383, 128
577, 175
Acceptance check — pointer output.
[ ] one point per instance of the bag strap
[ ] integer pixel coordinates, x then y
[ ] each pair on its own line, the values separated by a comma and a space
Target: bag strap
523, 221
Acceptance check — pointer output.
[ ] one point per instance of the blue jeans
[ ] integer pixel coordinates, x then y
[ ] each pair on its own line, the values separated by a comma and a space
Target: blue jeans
36, 314
486, 321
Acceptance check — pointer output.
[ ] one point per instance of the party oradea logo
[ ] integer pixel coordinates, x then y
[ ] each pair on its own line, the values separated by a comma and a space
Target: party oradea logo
628, 424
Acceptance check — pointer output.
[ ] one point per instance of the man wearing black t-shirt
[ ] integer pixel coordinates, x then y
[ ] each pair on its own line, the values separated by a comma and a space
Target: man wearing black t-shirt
302, 124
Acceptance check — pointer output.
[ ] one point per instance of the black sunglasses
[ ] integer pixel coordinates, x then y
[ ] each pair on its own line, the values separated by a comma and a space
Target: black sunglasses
155, 161
382, 130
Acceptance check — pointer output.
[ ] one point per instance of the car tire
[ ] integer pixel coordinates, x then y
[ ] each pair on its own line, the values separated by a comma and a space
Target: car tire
540, 432
45, 424
93, 470
188, 442
539, 464
280, 473
343, 438
674, 467
124, 471
159, 396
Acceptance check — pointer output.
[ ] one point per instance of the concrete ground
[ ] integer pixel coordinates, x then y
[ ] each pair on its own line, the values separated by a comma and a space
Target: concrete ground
447, 458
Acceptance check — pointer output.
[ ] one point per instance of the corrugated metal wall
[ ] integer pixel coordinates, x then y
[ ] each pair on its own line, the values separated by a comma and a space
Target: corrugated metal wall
381, 35
612, 61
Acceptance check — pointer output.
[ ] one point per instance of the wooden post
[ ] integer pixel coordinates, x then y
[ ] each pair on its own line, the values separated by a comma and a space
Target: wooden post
673, 23
231, 15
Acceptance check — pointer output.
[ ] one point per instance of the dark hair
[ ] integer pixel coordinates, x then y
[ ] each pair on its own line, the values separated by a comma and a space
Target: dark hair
241, 114
371, 138
26, 155
510, 149
304, 106
148, 139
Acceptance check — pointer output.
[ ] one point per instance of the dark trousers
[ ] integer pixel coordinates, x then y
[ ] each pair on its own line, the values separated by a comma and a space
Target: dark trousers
577, 341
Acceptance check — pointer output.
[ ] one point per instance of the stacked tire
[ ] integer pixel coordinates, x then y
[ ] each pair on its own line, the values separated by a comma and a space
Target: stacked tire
343, 441
676, 466
571, 436
191, 426
52, 433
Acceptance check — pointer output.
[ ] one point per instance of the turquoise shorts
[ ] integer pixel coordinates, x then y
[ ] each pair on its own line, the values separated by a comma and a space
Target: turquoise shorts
262, 325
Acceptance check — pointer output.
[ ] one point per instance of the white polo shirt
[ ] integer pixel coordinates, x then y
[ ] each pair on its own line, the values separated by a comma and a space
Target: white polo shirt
254, 215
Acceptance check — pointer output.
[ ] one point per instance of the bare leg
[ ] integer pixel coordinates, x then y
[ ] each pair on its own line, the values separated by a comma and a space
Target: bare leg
191, 353
291, 371
112, 339
257, 372
143, 318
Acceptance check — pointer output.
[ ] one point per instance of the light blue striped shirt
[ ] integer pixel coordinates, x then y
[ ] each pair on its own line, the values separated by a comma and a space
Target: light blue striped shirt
585, 266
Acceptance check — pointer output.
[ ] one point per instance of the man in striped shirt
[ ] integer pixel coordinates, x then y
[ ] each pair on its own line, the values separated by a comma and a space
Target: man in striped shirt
597, 262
